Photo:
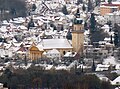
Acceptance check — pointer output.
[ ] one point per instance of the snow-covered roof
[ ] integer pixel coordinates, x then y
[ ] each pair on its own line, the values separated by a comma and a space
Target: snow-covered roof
107, 39
110, 60
69, 54
40, 47
116, 2
53, 51
22, 27
61, 67
3, 29
101, 67
55, 43
109, 6
72, 64
116, 81
1, 86
5, 22
20, 52
17, 44
103, 78
105, 26
87, 32
48, 67
7, 46
117, 67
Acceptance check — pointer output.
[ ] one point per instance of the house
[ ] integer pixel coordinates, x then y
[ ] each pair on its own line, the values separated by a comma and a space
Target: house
70, 55
22, 52
98, 52
54, 53
117, 67
101, 20
103, 78
116, 81
110, 60
101, 67
109, 8
113, 17
2, 86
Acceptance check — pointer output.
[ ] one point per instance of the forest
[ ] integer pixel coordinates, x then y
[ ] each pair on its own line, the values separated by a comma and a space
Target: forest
37, 78
12, 8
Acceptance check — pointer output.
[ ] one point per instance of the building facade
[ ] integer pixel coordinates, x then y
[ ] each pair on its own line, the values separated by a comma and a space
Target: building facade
109, 8
35, 52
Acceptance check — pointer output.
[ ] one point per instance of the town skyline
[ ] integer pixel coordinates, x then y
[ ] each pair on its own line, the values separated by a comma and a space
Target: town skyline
43, 39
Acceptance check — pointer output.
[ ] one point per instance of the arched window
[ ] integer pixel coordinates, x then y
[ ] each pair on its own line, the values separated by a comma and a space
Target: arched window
64, 52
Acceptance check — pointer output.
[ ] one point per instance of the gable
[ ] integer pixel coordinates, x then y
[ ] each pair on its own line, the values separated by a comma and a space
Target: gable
33, 48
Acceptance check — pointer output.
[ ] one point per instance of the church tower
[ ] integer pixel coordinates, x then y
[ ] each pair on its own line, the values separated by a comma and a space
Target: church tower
78, 34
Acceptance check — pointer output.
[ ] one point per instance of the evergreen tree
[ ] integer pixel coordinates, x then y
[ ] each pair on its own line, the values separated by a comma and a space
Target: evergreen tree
116, 39
92, 23
93, 66
69, 35
97, 36
83, 8
97, 2
25, 61
77, 11
89, 5
79, 1
82, 70
5, 85
109, 1
111, 41
31, 24
15, 7
34, 7
13, 11
109, 23
62, 28
85, 25
8, 73
116, 27
64, 10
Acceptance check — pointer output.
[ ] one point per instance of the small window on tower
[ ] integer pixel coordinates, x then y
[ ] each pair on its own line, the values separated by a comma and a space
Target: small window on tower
64, 52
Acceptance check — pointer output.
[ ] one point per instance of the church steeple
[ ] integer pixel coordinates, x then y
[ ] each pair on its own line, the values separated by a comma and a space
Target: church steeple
77, 15
78, 33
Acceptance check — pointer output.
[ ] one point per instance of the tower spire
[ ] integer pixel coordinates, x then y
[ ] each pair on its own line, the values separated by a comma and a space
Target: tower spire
77, 15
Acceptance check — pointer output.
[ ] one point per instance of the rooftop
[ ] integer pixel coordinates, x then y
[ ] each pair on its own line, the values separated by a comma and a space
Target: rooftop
55, 44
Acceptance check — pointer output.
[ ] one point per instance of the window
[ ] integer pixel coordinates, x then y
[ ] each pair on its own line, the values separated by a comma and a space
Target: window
64, 52
117, 82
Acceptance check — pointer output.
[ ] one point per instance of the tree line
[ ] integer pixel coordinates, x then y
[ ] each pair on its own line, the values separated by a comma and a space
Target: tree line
12, 8
37, 78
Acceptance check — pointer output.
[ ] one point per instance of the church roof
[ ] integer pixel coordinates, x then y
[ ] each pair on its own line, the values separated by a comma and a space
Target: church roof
55, 44
40, 47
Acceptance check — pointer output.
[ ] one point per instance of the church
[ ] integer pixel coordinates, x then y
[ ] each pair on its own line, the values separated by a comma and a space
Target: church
63, 45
